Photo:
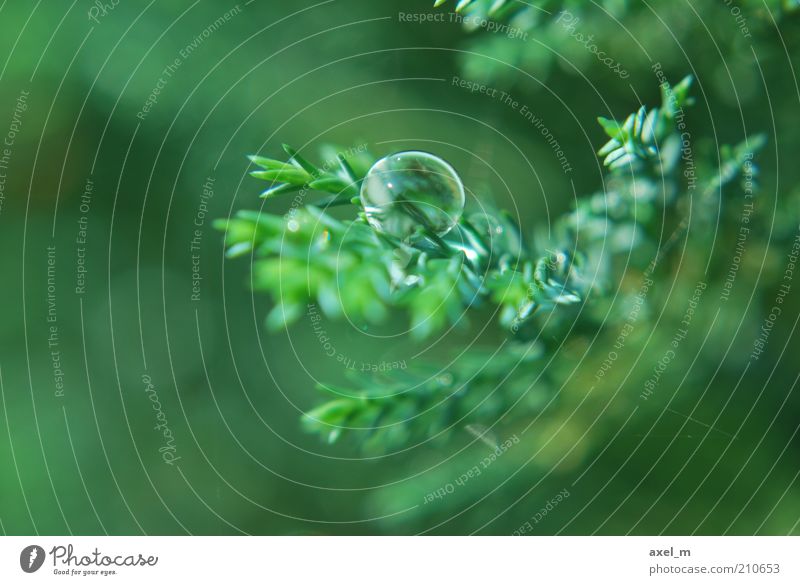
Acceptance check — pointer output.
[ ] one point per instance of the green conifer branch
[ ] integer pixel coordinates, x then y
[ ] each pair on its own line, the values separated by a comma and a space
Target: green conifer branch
307, 256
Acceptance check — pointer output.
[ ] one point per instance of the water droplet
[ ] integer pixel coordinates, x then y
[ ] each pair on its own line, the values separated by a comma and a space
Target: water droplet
405, 193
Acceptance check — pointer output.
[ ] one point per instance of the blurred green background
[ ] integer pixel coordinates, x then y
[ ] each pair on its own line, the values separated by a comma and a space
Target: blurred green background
714, 450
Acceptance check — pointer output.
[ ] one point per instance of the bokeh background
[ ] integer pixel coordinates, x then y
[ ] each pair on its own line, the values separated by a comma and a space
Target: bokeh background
714, 451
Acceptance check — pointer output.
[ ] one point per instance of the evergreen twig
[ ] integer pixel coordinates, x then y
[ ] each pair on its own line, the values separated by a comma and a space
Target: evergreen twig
308, 256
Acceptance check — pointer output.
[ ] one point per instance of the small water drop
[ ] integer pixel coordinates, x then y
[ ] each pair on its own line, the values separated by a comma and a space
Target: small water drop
406, 193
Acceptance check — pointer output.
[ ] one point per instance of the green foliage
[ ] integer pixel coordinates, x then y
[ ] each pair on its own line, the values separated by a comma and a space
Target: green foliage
236, 425
426, 402
311, 256
348, 268
535, 27
637, 139
300, 174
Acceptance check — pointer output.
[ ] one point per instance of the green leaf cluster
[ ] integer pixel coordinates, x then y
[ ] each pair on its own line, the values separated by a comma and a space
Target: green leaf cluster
348, 268
426, 402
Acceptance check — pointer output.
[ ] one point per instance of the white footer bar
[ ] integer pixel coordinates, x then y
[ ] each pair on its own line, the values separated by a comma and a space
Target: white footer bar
400, 560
